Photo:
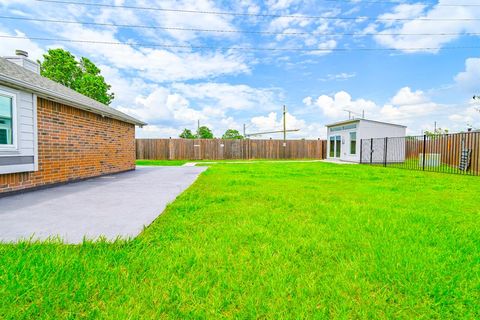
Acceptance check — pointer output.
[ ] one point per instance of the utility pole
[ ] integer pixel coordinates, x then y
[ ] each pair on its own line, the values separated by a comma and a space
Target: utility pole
244, 130
435, 127
284, 130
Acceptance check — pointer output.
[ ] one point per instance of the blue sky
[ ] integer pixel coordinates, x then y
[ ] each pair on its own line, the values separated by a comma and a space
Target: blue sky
412, 80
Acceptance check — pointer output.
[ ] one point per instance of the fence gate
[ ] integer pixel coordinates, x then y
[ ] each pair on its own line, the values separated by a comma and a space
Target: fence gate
197, 149
365, 151
374, 151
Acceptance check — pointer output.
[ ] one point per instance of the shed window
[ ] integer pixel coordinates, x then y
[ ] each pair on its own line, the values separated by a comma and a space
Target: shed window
6, 119
353, 143
332, 146
345, 127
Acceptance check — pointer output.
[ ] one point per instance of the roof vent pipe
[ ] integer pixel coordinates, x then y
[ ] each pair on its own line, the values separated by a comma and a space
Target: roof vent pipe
21, 58
21, 53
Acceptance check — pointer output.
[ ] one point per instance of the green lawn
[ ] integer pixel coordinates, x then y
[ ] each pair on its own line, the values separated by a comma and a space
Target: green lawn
278, 241
182, 162
161, 162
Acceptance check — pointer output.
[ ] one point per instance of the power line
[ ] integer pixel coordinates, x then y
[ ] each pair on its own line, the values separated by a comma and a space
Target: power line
403, 2
264, 15
234, 31
298, 49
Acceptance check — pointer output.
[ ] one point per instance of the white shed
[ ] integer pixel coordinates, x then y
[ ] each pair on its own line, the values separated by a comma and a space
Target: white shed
344, 137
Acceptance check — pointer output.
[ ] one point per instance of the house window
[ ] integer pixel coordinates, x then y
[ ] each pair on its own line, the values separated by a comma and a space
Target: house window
353, 143
7, 105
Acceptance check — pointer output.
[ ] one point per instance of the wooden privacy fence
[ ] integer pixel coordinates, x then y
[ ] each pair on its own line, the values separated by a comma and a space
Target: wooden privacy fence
218, 149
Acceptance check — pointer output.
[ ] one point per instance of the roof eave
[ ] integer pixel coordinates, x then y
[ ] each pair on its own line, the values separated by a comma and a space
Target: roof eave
342, 122
55, 96
358, 120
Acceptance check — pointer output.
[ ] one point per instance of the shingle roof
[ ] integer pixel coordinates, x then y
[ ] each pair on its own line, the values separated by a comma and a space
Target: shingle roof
12, 74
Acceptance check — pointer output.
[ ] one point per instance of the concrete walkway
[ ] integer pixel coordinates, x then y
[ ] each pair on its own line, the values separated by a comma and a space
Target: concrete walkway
113, 206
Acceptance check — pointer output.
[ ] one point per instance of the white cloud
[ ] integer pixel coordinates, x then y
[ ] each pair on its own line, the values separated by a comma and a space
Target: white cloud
468, 117
325, 47
470, 78
405, 96
157, 131
226, 96
125, 88
8, 49
155, 64
407, 107
334, 107
192, 21
181, 105
421, 24
274, 121
161, 105
308, 101
339, 76
280, 4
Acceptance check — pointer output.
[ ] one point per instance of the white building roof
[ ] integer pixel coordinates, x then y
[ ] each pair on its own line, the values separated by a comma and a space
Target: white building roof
366, 120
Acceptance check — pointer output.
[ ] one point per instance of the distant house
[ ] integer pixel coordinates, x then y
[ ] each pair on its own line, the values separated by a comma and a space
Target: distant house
344, 138
50, 134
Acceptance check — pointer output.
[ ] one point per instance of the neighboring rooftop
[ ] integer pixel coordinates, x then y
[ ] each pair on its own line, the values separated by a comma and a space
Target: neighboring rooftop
17, 76
360, 119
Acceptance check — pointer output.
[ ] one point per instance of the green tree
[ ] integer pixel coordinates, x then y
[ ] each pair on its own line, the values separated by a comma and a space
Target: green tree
60, 66
231, 134
204, 133
187, 134
437, 132
82, 76
92, 83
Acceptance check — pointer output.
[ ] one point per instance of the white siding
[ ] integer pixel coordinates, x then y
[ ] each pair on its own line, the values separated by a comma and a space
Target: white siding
25, 132
370, 129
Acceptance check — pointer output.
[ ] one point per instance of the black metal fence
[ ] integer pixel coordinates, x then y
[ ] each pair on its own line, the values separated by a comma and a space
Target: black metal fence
450, 153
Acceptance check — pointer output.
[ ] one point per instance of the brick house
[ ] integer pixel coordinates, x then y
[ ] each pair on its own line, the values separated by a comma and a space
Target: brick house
50, 134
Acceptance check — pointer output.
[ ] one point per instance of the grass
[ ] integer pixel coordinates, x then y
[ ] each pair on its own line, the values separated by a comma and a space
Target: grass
161, 162
416, 164
182, 162
286, 240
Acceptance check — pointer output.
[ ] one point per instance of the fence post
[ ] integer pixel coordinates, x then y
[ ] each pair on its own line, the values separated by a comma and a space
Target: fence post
424, 147
170, 147
371, 150
386, 152
361, 148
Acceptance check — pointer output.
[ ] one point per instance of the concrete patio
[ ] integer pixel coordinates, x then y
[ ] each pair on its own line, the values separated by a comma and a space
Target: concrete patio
112, 206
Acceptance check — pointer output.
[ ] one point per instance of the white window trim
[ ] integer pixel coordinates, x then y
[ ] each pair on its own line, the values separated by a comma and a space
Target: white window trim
13, 95
356, 144
35, 131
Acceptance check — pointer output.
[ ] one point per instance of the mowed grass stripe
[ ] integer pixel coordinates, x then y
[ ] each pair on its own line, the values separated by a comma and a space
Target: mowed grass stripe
286, 240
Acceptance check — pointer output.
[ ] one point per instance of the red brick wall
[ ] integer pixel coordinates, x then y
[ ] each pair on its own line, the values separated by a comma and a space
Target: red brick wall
75, 144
